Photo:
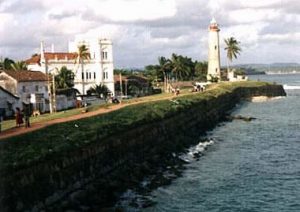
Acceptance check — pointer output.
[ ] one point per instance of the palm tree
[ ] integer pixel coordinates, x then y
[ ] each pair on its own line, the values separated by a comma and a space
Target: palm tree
19, 65
83, 54
201, 70
164, 66
100, 90
64, 79
7, 64
232, 48
181, 66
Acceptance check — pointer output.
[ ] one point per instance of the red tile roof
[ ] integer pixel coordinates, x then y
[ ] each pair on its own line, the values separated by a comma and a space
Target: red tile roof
131, 77
52, 56
27, 76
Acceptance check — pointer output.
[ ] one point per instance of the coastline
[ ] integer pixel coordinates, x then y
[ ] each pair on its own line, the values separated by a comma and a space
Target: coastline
106, 162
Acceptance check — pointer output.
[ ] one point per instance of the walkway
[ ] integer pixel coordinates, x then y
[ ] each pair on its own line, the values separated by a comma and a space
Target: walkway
39, 125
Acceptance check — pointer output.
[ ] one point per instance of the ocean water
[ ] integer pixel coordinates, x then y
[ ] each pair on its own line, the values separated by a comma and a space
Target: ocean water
247, 166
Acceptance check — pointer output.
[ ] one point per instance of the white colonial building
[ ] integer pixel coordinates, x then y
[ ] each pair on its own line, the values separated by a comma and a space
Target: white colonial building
98, 69
214, 67
27, 87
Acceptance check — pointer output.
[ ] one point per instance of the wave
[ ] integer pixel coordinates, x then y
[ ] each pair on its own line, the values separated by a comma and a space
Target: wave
196, 151
291, 87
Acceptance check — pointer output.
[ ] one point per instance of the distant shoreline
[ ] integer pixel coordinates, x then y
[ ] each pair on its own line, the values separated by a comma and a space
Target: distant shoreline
281, 73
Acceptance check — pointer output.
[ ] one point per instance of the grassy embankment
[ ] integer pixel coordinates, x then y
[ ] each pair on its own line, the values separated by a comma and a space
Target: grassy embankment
8, 124
58, 139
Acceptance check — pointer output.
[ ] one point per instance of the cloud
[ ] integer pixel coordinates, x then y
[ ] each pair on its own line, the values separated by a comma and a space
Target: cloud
21, 7
142, 30
253, 15
282, 38
120, 10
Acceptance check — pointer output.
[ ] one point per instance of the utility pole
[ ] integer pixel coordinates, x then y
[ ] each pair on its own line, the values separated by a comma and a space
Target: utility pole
50, 94
126, 83
54, 94
121, 89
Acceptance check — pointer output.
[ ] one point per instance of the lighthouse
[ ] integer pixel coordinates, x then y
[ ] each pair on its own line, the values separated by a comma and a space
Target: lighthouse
213, 52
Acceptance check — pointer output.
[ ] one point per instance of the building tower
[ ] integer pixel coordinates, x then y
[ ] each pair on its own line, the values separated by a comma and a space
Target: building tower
99, 69
43, 64
213, 51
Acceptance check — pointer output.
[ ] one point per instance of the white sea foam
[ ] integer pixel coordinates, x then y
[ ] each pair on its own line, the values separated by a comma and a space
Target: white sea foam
196, 151
264, 98
291, 87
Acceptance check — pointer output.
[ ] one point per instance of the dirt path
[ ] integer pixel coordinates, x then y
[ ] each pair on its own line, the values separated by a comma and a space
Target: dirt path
39, 125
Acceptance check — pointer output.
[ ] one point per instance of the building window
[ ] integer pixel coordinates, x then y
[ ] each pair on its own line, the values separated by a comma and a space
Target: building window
37, 88
39, 106
90, 75
46, 88
23, 88
216, 47
104, 55
86, 75
94, 75
82, 75
105, 75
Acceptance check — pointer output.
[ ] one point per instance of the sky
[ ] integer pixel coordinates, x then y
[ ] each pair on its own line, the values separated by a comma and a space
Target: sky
143, 30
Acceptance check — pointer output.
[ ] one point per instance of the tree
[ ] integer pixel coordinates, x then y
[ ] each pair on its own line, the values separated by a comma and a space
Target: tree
182, 67
164, 66
64, 79
19, 65
213, 78
83, 54
201, 70
7, 63
100, 90
153, 73
233, 49
179, 67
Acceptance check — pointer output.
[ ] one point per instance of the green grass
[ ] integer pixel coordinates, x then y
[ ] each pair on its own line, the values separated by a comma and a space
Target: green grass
8, 124
58, 139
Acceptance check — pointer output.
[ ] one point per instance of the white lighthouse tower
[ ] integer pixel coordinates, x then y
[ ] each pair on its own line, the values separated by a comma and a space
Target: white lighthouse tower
213, 51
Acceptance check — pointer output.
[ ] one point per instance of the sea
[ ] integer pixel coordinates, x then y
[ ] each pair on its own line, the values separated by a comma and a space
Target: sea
244, 166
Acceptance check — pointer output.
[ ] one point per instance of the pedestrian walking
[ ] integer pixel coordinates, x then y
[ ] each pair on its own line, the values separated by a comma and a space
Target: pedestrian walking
27, 113
19, 117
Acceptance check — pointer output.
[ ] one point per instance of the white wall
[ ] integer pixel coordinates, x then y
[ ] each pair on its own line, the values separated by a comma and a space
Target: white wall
30, 93
213, 54
98, 69
4, 99
63, 102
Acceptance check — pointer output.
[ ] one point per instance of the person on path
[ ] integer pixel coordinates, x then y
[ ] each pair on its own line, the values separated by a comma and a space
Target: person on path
0, 122
27, 113
19, 117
